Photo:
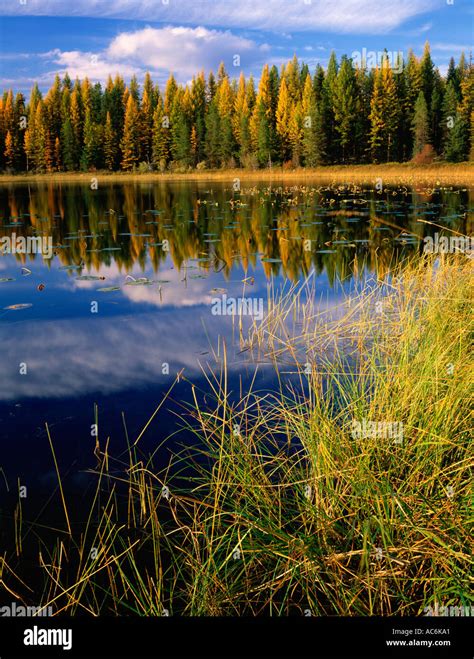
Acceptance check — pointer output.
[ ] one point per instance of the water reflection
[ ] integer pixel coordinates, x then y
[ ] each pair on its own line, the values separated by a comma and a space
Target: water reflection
212, 227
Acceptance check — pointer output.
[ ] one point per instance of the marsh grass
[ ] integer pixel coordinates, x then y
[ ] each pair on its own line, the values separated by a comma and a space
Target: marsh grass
275, 507
390, 174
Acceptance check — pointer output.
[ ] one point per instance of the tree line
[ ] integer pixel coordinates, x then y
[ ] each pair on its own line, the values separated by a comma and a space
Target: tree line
345, 113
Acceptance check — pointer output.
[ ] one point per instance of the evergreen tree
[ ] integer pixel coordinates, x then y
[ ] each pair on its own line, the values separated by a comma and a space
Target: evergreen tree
225, 103
344, 104
331, 137
313, 133
283, 117
161, 137
420, 125
198, 96
57, 155
180, 131
110, 144
129, 144
456, 144
213, 137
68, 145
41, 154
264, 140
146, 124
260, 122
383, 114
427, 75
9, 152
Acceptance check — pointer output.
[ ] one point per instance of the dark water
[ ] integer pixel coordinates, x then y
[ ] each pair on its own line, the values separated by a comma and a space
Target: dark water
121, 350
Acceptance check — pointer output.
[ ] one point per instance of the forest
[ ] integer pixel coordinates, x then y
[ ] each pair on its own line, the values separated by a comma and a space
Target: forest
346, 113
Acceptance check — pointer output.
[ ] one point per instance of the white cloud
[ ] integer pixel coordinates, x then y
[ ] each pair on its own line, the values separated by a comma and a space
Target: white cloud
182, 50
343, 16
82, 64
450, 48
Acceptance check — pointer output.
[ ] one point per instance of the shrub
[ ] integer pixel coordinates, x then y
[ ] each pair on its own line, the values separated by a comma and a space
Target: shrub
425, 156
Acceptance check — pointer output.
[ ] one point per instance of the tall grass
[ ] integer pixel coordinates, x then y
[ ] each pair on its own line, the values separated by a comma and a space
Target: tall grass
407, 173
278, 507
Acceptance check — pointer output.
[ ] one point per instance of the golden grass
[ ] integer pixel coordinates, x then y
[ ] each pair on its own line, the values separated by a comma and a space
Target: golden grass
391, 174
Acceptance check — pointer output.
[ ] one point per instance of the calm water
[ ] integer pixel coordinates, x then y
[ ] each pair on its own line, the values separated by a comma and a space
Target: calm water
193, 242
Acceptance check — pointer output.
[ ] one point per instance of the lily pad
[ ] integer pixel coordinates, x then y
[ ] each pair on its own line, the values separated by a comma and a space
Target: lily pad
17, 307
88, 278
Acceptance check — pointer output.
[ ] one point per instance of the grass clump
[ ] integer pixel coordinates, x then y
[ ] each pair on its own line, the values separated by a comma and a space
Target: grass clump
346, 491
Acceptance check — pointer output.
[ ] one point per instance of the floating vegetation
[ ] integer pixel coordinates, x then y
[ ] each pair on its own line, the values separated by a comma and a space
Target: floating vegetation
141, 281
89, 278
17, 307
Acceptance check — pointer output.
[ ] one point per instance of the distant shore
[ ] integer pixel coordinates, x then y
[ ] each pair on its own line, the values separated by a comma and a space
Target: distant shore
390, 174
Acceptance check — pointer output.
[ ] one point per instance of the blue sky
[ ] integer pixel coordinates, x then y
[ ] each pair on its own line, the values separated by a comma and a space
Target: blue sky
96, 37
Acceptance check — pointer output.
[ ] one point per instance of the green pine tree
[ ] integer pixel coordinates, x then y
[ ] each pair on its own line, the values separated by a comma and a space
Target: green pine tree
420, 125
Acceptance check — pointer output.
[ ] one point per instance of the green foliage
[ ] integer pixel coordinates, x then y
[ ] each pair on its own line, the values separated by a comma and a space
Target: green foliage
420, 125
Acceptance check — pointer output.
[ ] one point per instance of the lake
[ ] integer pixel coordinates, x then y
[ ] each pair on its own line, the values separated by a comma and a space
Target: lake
143, 282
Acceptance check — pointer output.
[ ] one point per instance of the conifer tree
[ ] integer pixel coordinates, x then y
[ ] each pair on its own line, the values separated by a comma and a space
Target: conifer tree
9, 152
213, 137
454, 127
180, 130
42, 155
198, 99
68, 146
110, 144
420, 125
57, 155
146, 124
260, 123
331, 136
129, 143
427, 75
93, 144
344, 104
313, 132
383, 114
161, 137
283, 117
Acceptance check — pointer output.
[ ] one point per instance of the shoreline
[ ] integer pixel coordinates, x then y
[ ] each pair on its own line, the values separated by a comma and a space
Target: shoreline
400, 173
